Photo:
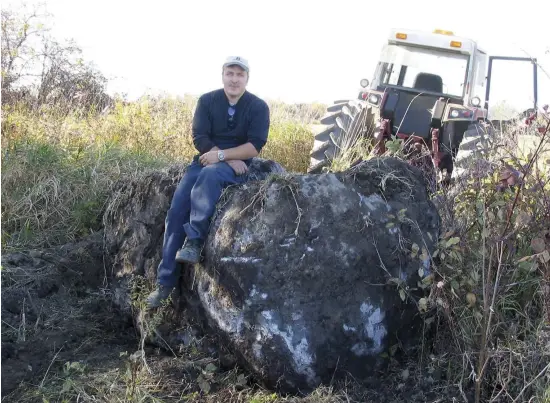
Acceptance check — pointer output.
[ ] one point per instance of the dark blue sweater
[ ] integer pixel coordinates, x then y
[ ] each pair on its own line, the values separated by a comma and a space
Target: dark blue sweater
211, 122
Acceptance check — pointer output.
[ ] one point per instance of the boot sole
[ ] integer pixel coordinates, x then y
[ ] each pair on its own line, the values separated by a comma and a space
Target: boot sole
181, 260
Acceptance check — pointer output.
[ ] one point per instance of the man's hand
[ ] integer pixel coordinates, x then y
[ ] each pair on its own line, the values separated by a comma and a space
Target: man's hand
209, 158
238, 166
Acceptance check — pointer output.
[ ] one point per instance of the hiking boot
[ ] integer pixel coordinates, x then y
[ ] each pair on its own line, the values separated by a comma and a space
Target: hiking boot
155, 299
190, 253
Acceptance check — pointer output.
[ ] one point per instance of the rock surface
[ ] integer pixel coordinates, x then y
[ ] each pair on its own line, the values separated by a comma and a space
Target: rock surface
305, 277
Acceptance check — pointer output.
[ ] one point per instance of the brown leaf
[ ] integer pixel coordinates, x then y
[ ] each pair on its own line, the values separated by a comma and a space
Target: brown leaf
522, 219
448, 234
471, 299
538, 245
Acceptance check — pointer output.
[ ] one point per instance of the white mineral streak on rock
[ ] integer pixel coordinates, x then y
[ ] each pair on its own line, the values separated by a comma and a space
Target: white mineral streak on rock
330, 187
289, 242
375, 330
243, 240
349, 328
227, 316
240, 259
253, 295
302, 359
257, 349
373, 202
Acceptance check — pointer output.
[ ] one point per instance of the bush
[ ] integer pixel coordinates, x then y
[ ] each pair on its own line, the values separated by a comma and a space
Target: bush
490, 288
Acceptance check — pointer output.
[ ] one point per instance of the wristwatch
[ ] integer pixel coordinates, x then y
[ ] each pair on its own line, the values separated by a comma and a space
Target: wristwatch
221, 155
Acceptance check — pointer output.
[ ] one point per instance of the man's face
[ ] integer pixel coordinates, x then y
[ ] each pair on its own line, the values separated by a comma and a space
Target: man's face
234, 79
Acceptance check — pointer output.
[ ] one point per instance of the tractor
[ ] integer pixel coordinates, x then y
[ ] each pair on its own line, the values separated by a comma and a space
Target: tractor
429, 90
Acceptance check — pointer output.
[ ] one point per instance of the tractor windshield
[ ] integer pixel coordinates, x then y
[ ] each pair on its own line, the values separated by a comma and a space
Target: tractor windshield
424, 69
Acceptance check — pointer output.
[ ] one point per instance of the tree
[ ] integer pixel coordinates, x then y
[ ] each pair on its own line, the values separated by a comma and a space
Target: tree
37, 67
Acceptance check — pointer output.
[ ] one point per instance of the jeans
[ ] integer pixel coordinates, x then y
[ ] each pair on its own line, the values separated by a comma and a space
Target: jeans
192, 207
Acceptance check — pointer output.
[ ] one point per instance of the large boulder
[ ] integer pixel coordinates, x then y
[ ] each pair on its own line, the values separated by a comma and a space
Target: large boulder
305, 277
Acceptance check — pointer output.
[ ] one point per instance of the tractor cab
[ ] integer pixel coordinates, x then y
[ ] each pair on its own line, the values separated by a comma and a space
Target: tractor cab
416, 69
428, 87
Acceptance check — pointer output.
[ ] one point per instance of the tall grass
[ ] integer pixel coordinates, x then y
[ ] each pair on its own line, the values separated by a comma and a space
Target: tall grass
492, 289
59, 165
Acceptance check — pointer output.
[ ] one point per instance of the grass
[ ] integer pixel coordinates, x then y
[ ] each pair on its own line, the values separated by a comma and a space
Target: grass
59, 165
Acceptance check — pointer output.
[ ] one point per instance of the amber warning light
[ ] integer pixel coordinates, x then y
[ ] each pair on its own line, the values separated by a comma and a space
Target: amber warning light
443, 32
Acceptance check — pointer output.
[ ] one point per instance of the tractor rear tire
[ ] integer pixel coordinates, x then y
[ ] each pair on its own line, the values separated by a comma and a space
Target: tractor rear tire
343, 124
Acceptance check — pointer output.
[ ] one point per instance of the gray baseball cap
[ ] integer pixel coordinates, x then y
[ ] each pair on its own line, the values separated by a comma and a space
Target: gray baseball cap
237, 60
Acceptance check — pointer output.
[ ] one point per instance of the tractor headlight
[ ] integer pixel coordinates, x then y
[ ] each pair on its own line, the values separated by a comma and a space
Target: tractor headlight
374, 99
364, 83
476, 101
455, 113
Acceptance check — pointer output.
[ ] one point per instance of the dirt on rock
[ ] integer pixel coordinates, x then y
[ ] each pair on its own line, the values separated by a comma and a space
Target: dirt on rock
305, 277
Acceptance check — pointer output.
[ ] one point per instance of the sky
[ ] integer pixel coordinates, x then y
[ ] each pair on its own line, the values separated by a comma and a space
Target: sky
299, 51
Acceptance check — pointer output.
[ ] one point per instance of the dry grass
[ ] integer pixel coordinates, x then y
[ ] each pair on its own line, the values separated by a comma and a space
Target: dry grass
173, 379
59, 165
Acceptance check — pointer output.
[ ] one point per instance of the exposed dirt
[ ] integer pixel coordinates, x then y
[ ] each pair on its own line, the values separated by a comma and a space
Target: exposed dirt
62, 340
54, 311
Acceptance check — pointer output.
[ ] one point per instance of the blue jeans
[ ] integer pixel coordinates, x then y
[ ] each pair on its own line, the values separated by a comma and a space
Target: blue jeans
192, 207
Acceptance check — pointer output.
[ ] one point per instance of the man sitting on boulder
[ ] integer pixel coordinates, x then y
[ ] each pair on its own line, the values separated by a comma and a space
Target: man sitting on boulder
230, 127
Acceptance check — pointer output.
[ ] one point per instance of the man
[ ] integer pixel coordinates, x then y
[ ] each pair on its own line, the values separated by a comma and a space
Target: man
230, 127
